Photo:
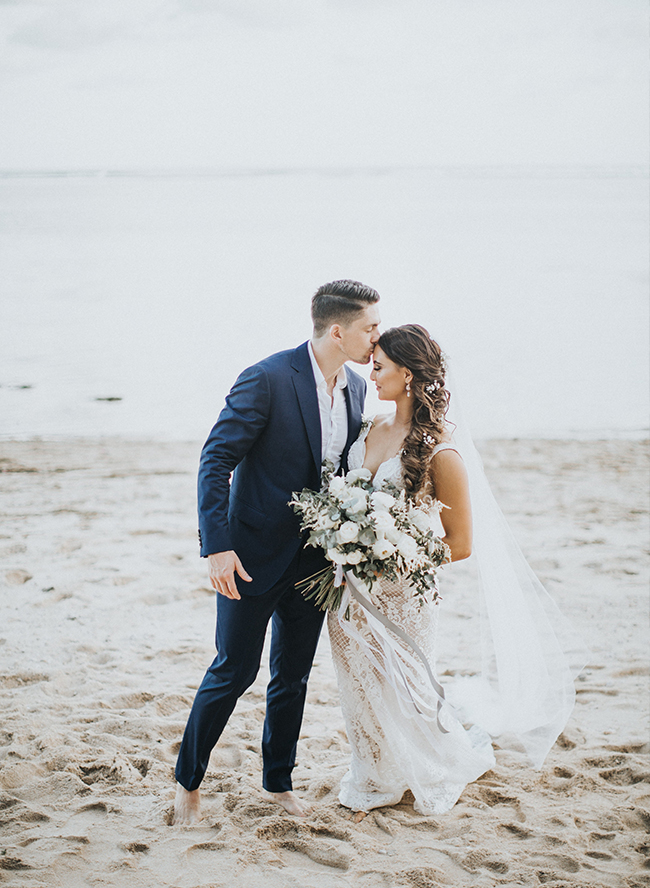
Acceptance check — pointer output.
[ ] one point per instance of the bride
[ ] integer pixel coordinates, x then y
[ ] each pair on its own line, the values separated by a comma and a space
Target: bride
405, 730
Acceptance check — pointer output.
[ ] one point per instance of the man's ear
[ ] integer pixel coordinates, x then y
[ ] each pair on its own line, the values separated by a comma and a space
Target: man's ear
335, 332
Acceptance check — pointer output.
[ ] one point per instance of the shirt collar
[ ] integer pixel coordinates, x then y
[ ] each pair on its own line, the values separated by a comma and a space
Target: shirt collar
341, 377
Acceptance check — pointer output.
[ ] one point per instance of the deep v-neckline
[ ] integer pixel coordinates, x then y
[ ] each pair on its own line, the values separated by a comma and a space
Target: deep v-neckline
383, 463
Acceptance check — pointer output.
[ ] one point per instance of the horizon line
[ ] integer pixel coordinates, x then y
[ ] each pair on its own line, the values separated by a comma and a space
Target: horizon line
472, 170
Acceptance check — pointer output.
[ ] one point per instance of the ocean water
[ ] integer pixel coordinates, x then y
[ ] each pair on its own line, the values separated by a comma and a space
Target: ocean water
131, 301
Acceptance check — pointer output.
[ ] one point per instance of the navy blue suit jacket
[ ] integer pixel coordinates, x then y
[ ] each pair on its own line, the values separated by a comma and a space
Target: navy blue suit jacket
268, 436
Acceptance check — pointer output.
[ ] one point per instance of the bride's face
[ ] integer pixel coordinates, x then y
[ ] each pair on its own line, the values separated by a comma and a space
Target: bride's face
389, 378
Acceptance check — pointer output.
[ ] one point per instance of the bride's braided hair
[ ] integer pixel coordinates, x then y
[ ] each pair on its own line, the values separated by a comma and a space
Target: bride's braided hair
411, 346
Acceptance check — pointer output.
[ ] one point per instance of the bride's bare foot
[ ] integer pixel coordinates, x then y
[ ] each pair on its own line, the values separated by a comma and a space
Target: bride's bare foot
187, 807
291, 803
358, 816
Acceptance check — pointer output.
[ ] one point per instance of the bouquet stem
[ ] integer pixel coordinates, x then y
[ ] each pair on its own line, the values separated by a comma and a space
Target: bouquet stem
320, 586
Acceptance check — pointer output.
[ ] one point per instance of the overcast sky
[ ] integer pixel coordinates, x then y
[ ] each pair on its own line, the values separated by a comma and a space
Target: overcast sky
276, 83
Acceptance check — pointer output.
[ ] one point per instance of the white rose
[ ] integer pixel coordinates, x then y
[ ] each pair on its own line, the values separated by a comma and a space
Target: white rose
383, 549
408, 548
381, 502
355, 500
355, 557
336, 485
347, 532
337, 556
358, 475
394, 536
421, 519
383, 522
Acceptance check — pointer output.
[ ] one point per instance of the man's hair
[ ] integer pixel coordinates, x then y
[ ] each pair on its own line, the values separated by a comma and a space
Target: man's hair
340, 302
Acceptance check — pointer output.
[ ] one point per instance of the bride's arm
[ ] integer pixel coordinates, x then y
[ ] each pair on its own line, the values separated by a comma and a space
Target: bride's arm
450, 485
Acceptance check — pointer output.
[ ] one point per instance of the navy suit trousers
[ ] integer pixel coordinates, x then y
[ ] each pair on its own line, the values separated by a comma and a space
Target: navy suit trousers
241, 630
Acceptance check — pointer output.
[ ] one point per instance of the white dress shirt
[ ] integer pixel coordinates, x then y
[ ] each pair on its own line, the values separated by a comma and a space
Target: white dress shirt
333, 412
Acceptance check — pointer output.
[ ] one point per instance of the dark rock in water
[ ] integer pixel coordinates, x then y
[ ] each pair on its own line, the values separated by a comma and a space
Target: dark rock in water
108, 399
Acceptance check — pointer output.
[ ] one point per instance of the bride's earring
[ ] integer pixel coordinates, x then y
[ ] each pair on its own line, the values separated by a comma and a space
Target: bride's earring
408, 389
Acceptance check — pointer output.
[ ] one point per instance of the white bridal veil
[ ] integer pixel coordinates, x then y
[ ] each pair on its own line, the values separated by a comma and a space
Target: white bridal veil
524, 693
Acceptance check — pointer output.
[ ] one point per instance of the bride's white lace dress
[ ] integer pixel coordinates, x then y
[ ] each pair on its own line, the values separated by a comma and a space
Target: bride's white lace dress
397, 742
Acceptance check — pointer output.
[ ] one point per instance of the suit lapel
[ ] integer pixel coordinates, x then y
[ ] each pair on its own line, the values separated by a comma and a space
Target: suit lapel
354, 403
305, 386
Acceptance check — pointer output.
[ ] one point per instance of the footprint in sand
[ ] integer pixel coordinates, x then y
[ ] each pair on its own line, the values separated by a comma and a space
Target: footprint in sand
7, 802
620, 770
515, 830
277, 828
14, 777
14, 811
605, 761
22, 679
635, 818
635, 670
17, 577
87, 817
485, 860
330, 832
14, 549
321, 852
636, 748
565, 742
319, 790
13, 864
625, 776
427, 824
602, 837
172, 703
428, 876
143, 766
493, 797
252, 810
202, 854
562, 862
78, 828
132, 701
303, 838
136, 848
113, 772
378, 879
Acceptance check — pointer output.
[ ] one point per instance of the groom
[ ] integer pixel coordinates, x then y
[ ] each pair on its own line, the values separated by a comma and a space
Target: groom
282, 418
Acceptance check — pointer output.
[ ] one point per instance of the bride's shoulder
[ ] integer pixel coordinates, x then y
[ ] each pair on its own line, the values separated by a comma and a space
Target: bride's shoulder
447, 446
378, 421
446, 441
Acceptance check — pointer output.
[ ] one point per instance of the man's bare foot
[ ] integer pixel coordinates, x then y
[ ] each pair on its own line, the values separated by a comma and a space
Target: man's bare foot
291, 803
187, 807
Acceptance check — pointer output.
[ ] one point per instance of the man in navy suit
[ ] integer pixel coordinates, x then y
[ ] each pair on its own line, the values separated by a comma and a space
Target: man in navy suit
282, 417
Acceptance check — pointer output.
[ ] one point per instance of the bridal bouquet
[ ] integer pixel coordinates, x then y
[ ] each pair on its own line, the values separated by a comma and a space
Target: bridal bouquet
370, 532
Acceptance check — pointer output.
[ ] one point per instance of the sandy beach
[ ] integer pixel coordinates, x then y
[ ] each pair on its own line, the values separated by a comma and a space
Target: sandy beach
107, 627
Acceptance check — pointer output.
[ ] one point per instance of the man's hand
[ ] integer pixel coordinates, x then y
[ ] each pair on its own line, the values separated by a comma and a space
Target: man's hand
222, 573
